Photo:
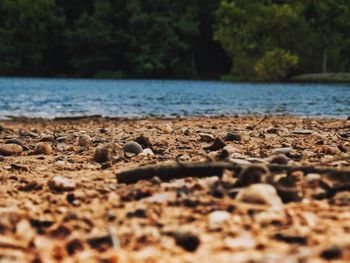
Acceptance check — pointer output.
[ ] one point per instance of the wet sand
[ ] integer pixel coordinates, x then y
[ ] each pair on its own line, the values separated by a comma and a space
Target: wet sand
57, 204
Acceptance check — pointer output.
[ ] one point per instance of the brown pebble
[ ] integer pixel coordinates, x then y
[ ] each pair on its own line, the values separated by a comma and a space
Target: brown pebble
10, 149
218, 144
43, 148
84, 140
252, 175
280, 159
14, 141
102, 154
329, 150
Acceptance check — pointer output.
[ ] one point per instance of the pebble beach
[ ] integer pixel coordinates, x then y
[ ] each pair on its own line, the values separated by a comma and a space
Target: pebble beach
61, 200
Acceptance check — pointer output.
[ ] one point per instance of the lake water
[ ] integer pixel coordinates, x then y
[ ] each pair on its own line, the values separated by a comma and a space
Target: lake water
134, 98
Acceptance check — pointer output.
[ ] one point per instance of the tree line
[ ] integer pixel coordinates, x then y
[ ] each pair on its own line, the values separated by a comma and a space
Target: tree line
247, 39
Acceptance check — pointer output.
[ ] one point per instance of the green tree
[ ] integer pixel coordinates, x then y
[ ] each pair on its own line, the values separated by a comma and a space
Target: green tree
330, 20
250, 29
99, 41
163, 36
276, 65
29, 32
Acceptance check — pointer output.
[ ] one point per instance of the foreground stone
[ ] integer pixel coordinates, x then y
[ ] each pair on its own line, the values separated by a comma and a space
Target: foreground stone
43, 148
60, 183
261, 194
10, 149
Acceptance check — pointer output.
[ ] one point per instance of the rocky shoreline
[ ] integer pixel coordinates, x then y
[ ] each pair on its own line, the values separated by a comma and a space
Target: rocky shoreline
60, 200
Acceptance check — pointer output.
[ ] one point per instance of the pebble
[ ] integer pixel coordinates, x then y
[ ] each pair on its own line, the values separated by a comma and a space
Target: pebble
303, 131
60, 183
284, 150
147, 152
187, 240
14, 141
205, 137
233, 137
61, 139
104, 130
331, 253
144, 141
186, 132
252, 175
43, 148
102, 154
312, 177
217, 218
47, 138
10, 149
2, 158
288, 189
330, 150
230, 149
280, 159
84, 140
263, 194
167, 129
132, 147
272, 130
240, 161
218, 144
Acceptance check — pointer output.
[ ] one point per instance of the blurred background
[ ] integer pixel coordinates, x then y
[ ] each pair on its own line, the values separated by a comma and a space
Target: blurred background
268, 40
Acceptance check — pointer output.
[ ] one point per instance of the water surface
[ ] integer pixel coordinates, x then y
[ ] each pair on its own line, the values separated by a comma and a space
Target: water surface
135, 98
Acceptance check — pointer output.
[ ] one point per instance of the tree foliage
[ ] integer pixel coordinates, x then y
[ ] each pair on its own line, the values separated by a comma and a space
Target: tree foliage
253, 31
258, 39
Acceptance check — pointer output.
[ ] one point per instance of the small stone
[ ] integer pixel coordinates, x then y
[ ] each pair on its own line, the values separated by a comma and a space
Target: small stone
167, 129
329, 150
60, 164
288, 189
253, 174
272, 130
2, 158
205, 137
132, 147
61, 139
10, 149
312, 177
233, 137
217, 218
188, 241
47, 138
43, 148
284, 150
240, 161
302, 132
216, 146
84, 140
102, 154
147, 152
104, 130
263, 194
143, 141
14, 141
60, 183
341, 199
280, 159
230, 149
331, 253
186, 132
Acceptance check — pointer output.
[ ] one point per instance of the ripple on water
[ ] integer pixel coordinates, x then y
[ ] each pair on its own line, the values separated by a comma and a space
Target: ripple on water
65, 97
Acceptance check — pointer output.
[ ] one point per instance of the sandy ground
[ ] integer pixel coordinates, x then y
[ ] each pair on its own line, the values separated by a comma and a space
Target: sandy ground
59, 205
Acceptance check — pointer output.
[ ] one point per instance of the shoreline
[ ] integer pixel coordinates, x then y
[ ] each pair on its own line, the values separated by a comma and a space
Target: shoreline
306, 78
11, 118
